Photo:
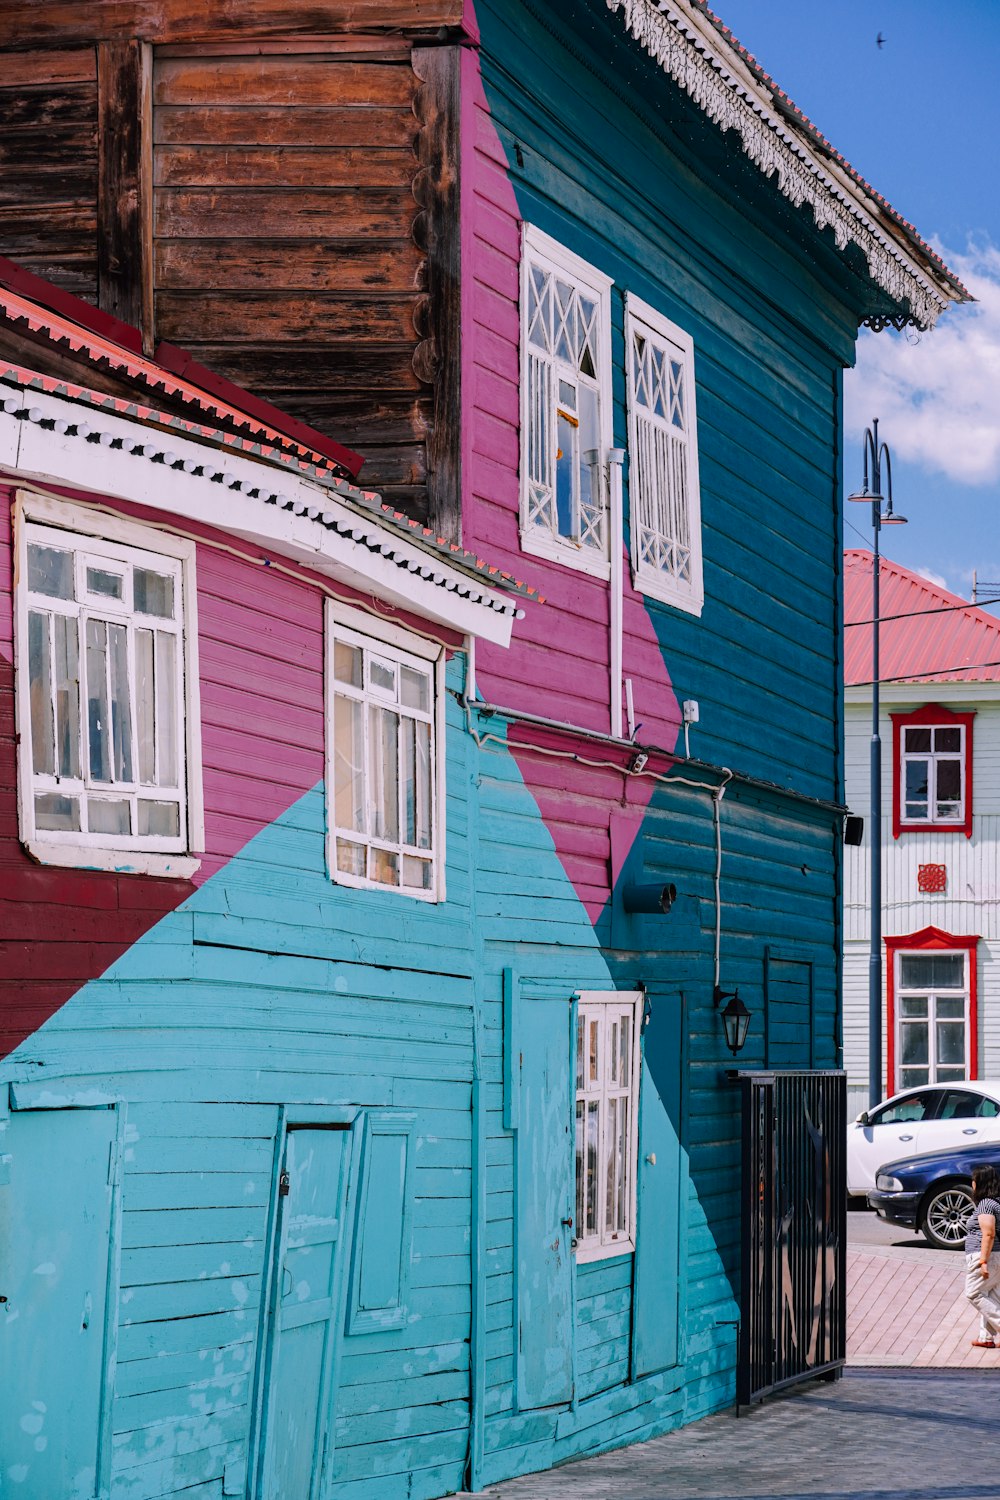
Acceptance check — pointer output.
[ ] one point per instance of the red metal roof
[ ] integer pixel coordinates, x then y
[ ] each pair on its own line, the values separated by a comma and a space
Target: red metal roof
939, 637
60, 318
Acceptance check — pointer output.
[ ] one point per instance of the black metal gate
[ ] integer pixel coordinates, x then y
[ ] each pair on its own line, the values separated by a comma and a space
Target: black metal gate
793, 1322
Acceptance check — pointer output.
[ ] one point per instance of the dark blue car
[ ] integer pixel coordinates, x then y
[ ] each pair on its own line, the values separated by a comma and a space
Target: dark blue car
932, 1192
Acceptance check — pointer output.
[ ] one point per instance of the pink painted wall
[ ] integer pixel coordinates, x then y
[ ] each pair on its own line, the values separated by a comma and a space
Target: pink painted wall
559, 662
261, 676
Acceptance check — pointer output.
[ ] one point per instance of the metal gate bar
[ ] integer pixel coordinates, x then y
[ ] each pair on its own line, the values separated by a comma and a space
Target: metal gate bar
793, 1323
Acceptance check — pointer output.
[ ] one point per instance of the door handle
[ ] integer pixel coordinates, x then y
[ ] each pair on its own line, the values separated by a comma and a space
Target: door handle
285, 1287
970, 1130
906, 1138
568, 1223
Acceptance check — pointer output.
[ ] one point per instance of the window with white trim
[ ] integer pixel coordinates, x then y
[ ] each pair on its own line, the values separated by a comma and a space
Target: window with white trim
933, 767
565, 404
607, 1099
384, 792
932, 1018
664, 499
104, 665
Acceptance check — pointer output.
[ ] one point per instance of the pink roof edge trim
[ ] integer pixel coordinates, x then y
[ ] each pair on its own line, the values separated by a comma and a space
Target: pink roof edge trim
939, 631
791, 109
28, 380
61, 317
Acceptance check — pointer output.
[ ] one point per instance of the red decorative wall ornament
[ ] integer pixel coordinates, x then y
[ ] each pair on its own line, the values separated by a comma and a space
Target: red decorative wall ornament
932, 878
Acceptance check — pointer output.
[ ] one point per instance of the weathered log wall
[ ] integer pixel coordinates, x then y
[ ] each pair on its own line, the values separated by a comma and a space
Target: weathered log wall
285, 208
48, 165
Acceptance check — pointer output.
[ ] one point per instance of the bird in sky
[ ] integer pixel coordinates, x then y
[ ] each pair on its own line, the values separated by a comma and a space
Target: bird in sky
880, 41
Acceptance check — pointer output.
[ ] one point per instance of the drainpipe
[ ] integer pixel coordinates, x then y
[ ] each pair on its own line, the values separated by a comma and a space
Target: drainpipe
477, 1256
616, 457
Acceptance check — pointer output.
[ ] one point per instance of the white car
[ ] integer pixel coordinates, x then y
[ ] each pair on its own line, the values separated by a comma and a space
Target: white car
932, 1118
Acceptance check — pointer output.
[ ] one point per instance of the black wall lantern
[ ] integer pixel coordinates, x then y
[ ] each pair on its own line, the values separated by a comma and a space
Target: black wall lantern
735, 1020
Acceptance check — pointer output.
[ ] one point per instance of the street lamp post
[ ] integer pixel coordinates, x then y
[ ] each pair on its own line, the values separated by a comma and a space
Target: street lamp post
876, 455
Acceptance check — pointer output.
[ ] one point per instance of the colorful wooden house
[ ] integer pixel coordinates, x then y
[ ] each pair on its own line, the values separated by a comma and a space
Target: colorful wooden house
366, 1125
939, 707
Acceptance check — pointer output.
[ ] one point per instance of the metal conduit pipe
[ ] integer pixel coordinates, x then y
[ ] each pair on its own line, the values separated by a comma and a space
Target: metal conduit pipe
758, 783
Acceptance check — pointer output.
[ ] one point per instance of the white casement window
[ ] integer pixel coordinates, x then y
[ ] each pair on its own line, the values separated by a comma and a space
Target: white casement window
106, 691
933, 773
664, 498
932, 1018
607, 1100
385, 772
565, 405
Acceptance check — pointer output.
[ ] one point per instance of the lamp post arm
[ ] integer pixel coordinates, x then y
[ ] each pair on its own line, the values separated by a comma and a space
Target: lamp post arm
868, 448
884, 455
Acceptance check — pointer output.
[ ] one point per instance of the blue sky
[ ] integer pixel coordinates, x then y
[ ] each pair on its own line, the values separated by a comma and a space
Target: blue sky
920, 120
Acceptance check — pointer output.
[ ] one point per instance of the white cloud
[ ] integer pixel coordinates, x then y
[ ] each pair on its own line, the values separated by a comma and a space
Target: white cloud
932, 577
938, 394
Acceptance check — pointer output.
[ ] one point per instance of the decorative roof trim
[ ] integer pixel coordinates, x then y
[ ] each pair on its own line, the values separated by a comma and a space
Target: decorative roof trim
729, 92
168, 425
46, 444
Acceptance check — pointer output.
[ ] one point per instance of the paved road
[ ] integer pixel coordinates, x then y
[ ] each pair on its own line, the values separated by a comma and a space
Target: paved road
875, 1435
917, 1413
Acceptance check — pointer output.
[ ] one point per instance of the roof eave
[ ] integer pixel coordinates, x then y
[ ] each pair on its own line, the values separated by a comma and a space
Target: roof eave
300, 521
694, 48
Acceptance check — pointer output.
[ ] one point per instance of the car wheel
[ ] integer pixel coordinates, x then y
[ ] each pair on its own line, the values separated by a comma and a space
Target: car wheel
945, 1214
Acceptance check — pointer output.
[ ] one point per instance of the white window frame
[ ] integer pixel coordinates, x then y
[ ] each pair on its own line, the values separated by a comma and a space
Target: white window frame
932, 996
604, 1007
931, 758
540, 249
106, 535
688, 594
387, 640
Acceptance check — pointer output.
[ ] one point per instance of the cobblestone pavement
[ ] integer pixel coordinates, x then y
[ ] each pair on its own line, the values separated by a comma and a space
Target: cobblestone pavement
917, 1413
874, 1435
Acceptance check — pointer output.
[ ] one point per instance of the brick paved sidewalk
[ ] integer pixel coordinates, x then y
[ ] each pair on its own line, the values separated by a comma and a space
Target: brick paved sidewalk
875, 1435
908, 1307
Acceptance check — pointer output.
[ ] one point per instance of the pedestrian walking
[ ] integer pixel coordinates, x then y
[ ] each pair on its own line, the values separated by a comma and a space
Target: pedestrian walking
982, 1256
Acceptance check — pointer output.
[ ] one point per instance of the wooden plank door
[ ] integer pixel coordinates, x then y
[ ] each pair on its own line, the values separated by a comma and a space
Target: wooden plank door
545, 1200
57, 1180
661, 1186
789, 1029
303, 1311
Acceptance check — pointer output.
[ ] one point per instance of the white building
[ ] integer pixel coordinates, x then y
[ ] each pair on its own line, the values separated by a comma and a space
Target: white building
940, 730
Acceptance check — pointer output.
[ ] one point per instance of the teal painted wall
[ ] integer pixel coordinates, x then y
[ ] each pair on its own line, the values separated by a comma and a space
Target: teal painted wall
273, 998
575, 131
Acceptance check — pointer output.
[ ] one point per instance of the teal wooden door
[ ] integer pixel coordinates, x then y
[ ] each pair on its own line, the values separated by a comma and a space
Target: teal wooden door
58, 1169
789, 1029
545, 1198
305, 1290
660, 1189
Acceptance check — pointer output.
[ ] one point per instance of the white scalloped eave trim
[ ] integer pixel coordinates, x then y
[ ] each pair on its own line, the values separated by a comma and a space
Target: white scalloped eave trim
771, 146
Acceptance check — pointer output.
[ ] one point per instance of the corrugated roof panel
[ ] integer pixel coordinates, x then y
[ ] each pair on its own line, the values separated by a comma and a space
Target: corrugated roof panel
936, 637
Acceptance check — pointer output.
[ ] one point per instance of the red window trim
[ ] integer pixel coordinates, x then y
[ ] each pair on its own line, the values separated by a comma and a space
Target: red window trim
931, 714
926, 939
